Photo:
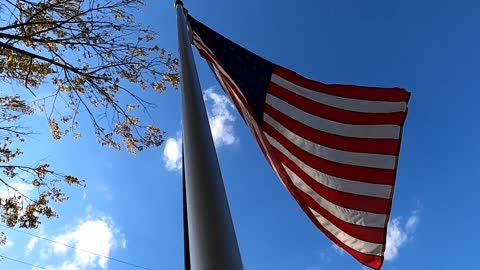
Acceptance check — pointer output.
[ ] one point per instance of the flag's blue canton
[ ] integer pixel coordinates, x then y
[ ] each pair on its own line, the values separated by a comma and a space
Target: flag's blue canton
249, 71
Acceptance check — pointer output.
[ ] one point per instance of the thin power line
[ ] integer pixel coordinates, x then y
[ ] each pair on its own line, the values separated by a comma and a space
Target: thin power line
22, 262
80, 249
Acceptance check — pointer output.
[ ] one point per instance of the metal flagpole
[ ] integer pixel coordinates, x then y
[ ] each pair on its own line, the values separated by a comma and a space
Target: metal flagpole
212, 241
186, 245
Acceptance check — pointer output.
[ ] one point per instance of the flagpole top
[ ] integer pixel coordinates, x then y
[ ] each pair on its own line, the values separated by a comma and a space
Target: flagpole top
178, 2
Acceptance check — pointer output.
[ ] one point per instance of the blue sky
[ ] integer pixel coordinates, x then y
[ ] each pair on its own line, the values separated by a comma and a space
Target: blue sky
131, 208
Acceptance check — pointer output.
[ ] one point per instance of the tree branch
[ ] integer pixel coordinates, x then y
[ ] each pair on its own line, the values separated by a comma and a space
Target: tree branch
48, 60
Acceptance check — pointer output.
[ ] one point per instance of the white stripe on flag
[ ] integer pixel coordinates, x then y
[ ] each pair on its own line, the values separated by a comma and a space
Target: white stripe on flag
335, 155
352, 242
351, 216
332, 127
357, 105
340, 184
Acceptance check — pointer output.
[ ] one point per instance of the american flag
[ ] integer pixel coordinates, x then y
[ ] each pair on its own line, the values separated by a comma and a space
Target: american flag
334, 147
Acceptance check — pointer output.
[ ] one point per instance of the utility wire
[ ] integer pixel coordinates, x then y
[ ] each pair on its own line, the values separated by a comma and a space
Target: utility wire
22, 262
80, 249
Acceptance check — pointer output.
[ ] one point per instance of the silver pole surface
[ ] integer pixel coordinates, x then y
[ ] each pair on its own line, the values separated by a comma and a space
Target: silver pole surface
212, 240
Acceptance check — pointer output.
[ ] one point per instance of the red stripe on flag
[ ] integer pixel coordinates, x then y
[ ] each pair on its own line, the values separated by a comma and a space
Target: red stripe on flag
367, 259
344, 199
368, 234
347, 91
234, 100
363, 145
335, 114
351, 172
377, 235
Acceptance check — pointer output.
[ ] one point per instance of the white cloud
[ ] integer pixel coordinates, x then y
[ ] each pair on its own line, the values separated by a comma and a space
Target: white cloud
220, 118
398, 235
323, 258
24, 188
95, 236
338, 249
59, 248
221, 122
172, 154
98, 236
8, 244
31, 244
15, 189
105, 191
396, 238
412, 222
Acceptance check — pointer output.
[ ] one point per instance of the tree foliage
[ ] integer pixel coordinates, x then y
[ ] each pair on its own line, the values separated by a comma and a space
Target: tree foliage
93, 56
